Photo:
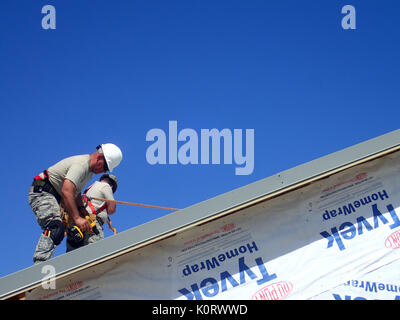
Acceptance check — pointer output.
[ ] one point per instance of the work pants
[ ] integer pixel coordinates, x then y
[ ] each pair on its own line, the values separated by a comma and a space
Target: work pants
46, 209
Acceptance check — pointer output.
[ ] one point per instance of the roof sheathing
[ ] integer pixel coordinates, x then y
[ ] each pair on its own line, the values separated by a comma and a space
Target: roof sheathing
213, 208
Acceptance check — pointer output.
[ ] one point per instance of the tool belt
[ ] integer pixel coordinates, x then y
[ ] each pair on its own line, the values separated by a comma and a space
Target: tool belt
41, 184
67, 219
65, 216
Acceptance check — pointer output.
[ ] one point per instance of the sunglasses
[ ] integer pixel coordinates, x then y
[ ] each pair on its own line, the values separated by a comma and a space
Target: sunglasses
105, 166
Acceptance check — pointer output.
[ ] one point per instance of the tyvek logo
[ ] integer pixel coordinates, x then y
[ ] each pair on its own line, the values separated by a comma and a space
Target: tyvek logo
274, 291
228, 227
349, 230
393, 241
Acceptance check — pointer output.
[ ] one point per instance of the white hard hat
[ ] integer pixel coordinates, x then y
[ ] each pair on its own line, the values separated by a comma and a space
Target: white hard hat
112, 154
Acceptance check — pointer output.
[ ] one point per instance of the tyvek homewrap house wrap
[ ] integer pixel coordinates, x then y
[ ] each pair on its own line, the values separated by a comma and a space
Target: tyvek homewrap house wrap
328, 229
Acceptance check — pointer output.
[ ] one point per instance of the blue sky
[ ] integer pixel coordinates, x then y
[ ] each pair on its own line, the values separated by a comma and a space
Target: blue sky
113, 70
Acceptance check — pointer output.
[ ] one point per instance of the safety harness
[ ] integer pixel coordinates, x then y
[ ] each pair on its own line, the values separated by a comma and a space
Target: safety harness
41, 184
88, 203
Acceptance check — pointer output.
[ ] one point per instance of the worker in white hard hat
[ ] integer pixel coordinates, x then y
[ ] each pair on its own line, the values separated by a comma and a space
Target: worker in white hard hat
98, 211
63, 182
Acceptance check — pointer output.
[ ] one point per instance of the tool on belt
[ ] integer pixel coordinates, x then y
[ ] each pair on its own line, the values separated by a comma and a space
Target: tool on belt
76, 234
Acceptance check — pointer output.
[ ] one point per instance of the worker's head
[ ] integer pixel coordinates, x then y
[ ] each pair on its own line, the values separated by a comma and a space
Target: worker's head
106, 158
111, 180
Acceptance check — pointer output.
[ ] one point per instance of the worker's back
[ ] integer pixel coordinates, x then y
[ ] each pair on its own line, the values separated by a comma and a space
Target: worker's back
103, 190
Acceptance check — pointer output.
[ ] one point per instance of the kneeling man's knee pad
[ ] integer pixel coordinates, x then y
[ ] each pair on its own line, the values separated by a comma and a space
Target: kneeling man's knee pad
55, 230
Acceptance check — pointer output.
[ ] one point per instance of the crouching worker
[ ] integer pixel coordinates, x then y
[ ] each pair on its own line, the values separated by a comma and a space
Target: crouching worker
63, 182
97, 212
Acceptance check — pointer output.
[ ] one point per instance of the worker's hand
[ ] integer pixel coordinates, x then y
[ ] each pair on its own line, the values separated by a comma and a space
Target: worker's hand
83, 224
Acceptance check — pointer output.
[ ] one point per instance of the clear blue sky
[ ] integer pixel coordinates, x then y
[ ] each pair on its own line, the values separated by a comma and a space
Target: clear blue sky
113, 70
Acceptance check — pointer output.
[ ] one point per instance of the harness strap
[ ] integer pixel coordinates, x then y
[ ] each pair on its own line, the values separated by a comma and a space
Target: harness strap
89, 203
39, 177
43, 184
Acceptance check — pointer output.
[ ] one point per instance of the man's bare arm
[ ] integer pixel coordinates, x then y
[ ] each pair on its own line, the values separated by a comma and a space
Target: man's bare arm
68, 193
111, 207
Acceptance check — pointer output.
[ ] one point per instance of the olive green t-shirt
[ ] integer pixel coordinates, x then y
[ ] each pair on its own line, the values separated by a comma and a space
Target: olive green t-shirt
76, 169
